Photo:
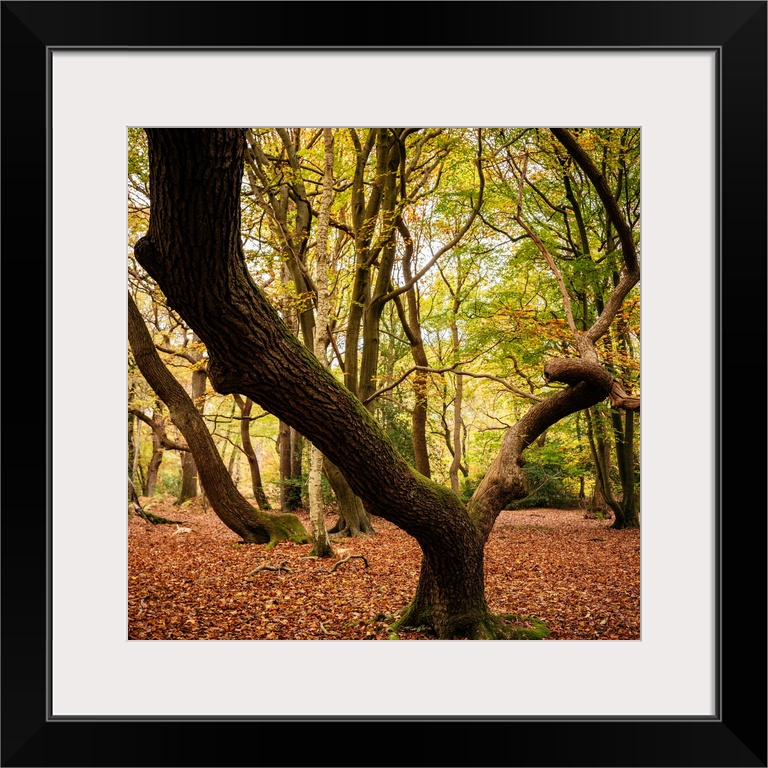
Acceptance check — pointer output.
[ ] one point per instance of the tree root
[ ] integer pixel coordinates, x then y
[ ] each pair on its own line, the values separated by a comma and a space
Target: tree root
346, 560
327, 632
341, 562
505, 626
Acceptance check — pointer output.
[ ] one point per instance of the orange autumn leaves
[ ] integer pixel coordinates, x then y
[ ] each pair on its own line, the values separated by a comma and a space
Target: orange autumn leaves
574, 573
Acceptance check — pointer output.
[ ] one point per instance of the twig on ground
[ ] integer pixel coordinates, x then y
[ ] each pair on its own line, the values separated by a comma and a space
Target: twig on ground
326, 631
346, 560
282, 567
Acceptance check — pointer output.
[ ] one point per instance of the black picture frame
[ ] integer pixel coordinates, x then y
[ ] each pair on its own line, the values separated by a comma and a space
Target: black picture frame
736, 736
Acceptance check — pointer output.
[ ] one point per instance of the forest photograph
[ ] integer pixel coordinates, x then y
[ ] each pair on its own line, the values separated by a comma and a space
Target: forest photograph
383, 383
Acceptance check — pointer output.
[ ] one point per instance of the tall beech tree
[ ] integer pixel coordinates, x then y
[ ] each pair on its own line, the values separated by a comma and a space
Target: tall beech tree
194, 252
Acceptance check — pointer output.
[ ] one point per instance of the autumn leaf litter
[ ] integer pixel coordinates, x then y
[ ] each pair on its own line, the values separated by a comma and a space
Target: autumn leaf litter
573, 572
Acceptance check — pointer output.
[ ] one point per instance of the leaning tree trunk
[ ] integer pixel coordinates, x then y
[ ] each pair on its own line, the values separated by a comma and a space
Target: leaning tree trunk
193, 250
505, 481
234, 511
354, 519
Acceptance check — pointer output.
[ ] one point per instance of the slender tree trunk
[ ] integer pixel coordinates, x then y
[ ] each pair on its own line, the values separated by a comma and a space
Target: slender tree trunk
136, 468
189, 489
154, 465
600, 449
629, 516
419, 418
296, 480
457, 451
131, 441
284, 460
412, 328
364, 217
389, 150
321, 544
453, 472
246, 406
232, 466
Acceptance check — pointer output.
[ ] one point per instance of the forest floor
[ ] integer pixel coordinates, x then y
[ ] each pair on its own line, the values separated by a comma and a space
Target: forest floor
577, 575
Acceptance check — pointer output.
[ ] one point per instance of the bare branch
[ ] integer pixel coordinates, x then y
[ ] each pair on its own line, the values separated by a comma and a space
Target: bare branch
612, 306
158, 427
188, 356
452, 369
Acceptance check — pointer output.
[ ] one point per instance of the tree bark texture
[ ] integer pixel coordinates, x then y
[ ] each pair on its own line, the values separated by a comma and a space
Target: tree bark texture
626, 513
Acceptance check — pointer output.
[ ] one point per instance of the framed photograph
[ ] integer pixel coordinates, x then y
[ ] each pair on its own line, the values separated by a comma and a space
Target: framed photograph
691, 691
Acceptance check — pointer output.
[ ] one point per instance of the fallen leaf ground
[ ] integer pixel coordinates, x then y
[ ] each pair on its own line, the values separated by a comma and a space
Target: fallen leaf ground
576, 574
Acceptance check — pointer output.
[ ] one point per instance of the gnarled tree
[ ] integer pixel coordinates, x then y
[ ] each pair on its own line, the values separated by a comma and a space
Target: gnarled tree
194, 252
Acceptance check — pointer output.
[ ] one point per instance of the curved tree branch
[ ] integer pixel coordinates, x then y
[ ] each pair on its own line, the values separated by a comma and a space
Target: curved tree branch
158, 427
575, 150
